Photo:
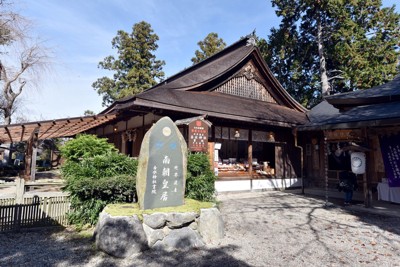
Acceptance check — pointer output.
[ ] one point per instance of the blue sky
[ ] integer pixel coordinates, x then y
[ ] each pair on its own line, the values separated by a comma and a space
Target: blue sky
80, 33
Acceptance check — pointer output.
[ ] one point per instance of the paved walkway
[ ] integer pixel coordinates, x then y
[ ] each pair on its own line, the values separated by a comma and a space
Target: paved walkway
378, 207
261, 229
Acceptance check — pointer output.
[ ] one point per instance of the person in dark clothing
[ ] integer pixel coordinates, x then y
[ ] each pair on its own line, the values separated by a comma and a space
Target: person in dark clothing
347, 183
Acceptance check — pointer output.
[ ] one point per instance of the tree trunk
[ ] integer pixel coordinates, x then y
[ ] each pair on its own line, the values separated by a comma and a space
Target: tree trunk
7, 116
325, 88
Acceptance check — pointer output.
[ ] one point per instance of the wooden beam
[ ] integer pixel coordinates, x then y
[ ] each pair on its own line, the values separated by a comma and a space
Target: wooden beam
22, 134
61, 129
56, 128
9, 134
48, 129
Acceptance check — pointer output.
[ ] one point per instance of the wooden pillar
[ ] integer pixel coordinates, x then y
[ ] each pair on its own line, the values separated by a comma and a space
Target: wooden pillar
250, 153
19, 191
367, 201
34, 154
123, 142
366, 175
143, 129
284, 161
279, 161
326, 162
28, 160
30, 156
211, 151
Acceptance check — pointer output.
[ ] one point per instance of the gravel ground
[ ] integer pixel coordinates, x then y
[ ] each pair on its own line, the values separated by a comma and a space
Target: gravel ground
262, 229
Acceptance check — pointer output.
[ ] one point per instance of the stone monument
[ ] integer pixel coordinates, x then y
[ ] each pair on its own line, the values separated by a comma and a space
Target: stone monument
162, 170
160, 183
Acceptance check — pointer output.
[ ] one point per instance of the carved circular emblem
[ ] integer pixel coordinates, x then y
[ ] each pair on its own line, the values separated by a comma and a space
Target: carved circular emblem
356, 162
166, 131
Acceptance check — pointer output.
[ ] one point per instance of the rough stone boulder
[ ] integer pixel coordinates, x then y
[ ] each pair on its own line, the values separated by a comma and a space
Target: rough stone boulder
180, 239
155, 220
211, 225
178, 220
153, 235
120, 236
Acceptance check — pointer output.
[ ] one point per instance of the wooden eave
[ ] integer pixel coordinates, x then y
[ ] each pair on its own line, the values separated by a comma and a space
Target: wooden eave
158, 105
350, 125
341, 103
384, 93
67, 127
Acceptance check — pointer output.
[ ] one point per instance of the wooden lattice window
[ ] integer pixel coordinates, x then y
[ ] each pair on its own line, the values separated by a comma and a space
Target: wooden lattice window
248, 88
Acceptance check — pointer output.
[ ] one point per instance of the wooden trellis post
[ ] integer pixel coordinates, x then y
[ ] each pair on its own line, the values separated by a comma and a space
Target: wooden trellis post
30, 156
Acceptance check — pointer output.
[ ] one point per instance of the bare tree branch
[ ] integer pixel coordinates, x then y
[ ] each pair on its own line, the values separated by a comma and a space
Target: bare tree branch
336, 77
24, 59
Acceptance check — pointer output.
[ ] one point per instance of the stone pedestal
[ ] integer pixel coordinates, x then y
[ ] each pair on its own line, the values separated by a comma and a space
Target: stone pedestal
122, 236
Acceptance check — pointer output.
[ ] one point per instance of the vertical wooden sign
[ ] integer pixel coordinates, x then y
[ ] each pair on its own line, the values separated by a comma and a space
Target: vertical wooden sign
198, 136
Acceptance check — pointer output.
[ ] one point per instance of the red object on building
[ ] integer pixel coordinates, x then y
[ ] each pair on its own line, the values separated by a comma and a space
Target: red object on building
198, 136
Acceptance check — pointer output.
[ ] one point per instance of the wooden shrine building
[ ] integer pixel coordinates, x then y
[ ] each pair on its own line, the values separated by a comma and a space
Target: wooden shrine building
251, 117
257, 136
365, 120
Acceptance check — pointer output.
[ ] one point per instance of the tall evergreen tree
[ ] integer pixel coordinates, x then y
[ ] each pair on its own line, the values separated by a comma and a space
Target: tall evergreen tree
329, 46
211, 45
136, 67
366, 44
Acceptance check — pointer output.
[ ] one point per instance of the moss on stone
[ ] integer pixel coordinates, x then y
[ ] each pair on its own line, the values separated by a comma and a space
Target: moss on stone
129, 209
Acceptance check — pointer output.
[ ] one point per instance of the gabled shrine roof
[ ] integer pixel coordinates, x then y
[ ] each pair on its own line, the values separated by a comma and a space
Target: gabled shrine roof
377, 106
384, 93
193, 90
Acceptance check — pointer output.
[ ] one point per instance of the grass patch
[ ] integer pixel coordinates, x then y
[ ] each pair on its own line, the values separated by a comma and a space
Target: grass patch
129, 209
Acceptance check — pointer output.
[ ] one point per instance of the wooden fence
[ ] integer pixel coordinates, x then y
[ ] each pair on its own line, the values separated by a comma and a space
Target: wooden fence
32, 209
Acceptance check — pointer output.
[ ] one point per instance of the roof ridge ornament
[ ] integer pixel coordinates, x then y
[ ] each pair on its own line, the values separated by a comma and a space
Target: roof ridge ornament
251, 41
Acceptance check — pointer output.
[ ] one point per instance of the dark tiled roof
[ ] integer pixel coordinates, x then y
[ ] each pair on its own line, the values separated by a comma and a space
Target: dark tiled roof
223, 105
325, 116
376, 106
387, 92
206, 74
322, 112
202, 73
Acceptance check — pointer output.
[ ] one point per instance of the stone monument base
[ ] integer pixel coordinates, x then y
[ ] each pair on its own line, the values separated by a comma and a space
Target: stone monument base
123, 236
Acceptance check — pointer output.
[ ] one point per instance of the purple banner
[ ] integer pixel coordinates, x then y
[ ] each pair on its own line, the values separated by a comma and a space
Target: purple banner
390, 148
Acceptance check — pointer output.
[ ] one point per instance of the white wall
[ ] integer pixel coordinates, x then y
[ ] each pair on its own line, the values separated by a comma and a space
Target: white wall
257, 184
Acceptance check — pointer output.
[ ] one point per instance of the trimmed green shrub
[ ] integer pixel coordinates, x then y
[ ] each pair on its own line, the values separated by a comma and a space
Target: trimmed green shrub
200, 178
89, 196
96, 180
102, 166
86, 146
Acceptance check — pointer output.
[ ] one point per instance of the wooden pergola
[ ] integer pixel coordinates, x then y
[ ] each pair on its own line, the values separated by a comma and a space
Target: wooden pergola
51, 129
32, 132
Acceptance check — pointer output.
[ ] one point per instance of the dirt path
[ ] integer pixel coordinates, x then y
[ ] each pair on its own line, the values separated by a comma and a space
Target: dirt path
262, 229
